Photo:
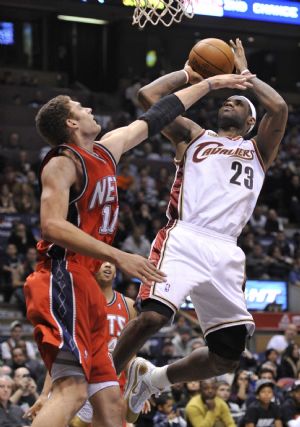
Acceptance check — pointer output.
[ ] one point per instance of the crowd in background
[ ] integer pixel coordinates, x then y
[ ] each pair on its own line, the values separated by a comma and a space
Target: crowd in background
271, 241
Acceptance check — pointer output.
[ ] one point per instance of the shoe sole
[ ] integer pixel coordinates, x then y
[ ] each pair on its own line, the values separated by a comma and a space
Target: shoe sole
131, 416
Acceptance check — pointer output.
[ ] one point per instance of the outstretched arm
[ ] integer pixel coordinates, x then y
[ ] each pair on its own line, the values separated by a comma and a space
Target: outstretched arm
166, 110
272, 126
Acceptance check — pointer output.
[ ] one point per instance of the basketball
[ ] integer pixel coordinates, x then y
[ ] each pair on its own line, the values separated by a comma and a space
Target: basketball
210, 57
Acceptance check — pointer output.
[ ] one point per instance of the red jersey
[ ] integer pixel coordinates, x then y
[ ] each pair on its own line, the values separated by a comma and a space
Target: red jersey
95, 209
117, 316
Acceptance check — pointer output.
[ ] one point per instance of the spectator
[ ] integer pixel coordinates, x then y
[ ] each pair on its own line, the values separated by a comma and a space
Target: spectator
179, 394
294, 275
25, 392
167, 354
258, 220
268, 374
280, 342
263, 412
192, 389
124, 179
7, 204
22, 237
224, 392
14, 141
5, 370
10, 265
273, 223
271, 357
132, 289
282, 242
20, 360
291, 407
292, 198
205, 409
181, 341
166, 414
28, 267
257, 263
279, 264
290, 362
10, 415
241, 388
16, 333
137, 242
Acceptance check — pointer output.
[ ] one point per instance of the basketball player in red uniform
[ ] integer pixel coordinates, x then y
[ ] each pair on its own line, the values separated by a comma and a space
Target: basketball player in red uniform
79, 209
218, 179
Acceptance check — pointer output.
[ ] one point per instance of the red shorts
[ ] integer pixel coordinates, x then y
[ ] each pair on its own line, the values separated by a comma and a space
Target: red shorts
68, 311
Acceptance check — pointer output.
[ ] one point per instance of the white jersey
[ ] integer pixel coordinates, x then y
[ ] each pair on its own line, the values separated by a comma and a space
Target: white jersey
217, 183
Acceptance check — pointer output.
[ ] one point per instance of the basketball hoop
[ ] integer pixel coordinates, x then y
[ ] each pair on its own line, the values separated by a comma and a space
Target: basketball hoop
161, 11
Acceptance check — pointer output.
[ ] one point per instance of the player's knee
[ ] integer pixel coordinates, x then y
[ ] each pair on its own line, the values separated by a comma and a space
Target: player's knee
80, 397
226, 346
154, 315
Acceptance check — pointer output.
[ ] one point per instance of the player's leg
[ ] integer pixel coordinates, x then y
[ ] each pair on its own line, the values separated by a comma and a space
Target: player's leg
160, 300
108, 410
84, 416
222, 355
153, 317
224, 325
67, 397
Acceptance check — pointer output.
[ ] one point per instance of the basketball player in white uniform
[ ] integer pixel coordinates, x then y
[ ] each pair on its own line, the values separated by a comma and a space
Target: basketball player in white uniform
218, 180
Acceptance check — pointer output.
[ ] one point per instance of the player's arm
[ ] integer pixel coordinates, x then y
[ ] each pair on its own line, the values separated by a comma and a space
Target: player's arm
181, 130
42, 399
272, 126
131, 309
166, 110
58, 176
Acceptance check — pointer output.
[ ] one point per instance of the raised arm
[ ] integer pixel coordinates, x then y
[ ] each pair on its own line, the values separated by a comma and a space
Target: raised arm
181, 130
272, 126
166, 110
57, 178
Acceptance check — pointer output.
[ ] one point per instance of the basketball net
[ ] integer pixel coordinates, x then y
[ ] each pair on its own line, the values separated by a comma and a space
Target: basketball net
161, 11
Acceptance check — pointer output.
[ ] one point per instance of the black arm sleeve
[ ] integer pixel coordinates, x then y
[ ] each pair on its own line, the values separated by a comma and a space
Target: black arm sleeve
162, 113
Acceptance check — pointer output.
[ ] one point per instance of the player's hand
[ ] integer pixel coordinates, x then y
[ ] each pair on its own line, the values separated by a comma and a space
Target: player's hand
194, 77
231, 81
139, 267
210, 403
32, 412
240, 60
147, 407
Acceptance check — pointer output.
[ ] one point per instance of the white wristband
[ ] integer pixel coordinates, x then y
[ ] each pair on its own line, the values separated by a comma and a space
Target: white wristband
187, 76
246, 71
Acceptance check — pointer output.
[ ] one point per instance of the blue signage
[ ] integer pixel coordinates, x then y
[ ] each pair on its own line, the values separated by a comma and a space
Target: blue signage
280, 11
259, 294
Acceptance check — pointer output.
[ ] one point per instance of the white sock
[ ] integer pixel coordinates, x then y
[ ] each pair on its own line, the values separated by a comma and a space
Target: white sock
159, 378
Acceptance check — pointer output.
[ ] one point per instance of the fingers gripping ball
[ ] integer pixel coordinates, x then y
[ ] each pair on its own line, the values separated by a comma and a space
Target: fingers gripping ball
210, 57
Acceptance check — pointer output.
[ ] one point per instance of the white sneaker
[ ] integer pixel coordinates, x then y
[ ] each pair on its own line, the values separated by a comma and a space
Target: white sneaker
138, 388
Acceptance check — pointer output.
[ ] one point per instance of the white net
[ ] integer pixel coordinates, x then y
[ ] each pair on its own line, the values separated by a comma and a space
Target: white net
161, 11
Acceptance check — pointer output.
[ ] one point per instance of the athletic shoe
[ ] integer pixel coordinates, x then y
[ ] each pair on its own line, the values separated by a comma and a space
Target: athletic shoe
138, 388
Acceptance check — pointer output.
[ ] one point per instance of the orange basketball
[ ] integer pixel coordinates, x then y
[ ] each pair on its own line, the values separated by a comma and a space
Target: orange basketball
210, 57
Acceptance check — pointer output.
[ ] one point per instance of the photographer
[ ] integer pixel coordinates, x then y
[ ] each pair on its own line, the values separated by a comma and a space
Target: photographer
25, 393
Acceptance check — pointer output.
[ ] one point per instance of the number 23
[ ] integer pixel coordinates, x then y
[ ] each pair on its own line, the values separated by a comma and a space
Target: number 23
248, 171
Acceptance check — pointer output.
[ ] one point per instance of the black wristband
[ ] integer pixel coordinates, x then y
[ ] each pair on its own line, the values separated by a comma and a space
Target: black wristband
162, 113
